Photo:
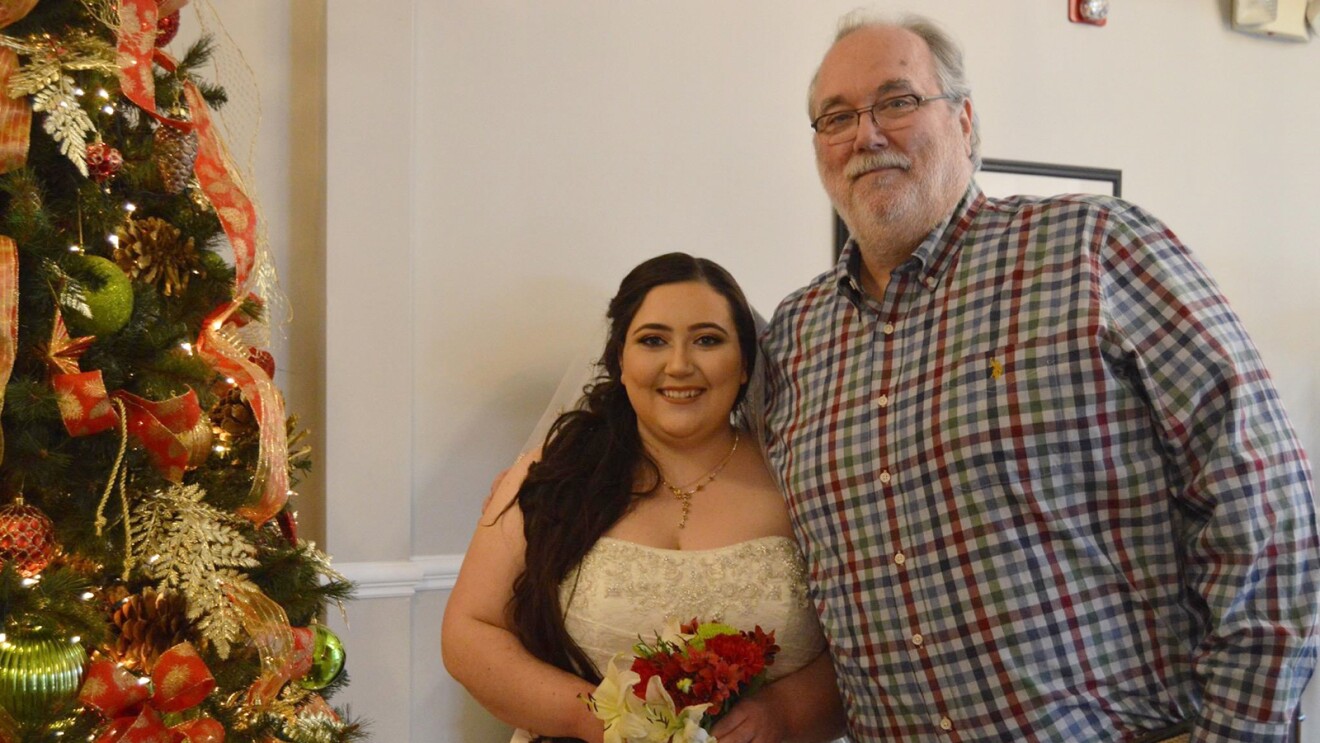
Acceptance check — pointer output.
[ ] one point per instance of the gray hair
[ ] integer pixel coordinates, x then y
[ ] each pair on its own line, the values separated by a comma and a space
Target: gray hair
948, 55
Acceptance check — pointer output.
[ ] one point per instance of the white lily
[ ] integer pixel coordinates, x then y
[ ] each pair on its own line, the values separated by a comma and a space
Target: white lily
679, 726
692, 731
672, 633
614, 703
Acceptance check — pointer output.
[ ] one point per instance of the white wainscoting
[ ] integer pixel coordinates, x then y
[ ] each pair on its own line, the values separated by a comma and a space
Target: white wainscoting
375, 580
393, 639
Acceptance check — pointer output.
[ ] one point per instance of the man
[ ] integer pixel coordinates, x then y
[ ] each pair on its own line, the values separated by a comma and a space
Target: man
1044, 485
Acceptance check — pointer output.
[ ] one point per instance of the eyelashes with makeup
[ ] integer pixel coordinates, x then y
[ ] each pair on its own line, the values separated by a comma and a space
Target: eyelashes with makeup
705, 341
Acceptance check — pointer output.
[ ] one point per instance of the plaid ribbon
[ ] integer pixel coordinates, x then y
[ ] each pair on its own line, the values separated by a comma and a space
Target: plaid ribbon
15, 125
15, 113
8, 318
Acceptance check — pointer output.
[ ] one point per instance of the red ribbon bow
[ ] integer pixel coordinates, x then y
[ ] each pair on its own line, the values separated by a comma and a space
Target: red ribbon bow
162, 427
179, 681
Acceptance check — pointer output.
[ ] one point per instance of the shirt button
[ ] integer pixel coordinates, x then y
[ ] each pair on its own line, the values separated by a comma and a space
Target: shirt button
900, 559
929, 282
917, 639
889, 328
885, 477
946, 724
883, 400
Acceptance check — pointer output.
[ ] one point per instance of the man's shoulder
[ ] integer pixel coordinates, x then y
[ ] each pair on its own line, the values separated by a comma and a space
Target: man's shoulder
802, 299
1067, 214
1068, 202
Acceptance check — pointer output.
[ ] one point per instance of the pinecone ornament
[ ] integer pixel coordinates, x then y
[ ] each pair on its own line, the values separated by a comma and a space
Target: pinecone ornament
232, 419
175, 151
147, 624
151, 250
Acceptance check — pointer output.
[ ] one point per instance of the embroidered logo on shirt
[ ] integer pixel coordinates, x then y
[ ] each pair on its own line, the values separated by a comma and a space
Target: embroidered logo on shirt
996, 369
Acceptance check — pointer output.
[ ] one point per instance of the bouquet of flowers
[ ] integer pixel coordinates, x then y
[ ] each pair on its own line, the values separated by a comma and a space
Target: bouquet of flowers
674, 689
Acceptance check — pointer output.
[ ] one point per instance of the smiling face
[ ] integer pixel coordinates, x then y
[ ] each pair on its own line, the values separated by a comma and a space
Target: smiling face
905, 177
682, 364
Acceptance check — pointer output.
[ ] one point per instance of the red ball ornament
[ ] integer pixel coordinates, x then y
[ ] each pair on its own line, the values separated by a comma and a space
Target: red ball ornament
166, 27
27, 538
263, 359
103, 161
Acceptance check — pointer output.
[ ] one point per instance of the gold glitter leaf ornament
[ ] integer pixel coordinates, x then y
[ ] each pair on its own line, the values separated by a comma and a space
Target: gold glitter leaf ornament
194, 548
37, 75
66, 122
49, 58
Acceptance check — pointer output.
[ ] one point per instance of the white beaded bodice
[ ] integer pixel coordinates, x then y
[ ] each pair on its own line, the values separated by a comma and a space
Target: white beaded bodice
624, 591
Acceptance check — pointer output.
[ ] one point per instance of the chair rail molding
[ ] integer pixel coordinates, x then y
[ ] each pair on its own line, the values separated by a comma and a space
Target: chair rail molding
402, 578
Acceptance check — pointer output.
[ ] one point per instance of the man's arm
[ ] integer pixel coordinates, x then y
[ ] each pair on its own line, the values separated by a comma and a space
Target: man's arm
1242, 474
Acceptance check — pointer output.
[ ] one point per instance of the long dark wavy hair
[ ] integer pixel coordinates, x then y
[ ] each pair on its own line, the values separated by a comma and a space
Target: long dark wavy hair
592, 461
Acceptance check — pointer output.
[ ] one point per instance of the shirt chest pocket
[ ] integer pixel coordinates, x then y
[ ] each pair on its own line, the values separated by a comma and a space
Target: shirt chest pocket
1007, 416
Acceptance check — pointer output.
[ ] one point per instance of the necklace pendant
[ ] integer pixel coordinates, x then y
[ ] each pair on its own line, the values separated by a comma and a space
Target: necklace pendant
684, 497
686, 501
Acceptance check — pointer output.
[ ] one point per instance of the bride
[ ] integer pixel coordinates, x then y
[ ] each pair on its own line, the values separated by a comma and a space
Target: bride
646, 505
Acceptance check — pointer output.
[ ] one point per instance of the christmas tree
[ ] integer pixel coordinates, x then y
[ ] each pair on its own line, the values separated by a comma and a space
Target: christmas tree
153, 586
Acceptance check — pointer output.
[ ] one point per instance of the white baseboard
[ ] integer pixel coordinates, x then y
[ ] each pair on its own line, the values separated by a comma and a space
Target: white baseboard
401, 579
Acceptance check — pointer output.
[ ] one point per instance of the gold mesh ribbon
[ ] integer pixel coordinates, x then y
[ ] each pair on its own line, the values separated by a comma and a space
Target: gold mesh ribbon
268, 626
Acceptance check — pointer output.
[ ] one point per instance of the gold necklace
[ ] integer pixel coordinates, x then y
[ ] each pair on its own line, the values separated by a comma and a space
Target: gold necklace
684, 495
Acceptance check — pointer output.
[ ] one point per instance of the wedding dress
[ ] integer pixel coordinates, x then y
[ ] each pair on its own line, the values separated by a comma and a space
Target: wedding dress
623, 592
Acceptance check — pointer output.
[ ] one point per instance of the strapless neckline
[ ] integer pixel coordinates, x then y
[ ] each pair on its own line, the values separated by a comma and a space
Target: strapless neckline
705, 551
623, 590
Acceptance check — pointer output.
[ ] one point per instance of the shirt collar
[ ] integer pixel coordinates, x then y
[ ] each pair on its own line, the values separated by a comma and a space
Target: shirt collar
932, 258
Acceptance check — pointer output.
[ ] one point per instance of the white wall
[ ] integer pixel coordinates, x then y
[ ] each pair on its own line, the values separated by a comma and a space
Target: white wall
560, 143
493, 167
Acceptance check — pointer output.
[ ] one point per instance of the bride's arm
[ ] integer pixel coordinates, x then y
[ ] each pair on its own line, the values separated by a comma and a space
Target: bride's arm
479, 647
802, 707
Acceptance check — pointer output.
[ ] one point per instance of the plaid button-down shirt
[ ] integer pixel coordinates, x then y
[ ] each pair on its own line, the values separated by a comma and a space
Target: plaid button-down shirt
1044, 485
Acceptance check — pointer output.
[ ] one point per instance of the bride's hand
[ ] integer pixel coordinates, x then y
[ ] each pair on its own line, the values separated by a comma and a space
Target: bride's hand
802, 706
752, 720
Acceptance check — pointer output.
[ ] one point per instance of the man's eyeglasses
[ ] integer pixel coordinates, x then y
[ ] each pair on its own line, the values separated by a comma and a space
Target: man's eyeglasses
841, 126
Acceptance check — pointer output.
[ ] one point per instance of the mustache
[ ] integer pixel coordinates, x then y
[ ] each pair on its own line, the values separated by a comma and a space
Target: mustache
863, 164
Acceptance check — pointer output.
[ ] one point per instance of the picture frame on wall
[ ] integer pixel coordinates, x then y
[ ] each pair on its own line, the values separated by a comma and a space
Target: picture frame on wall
1000, 178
